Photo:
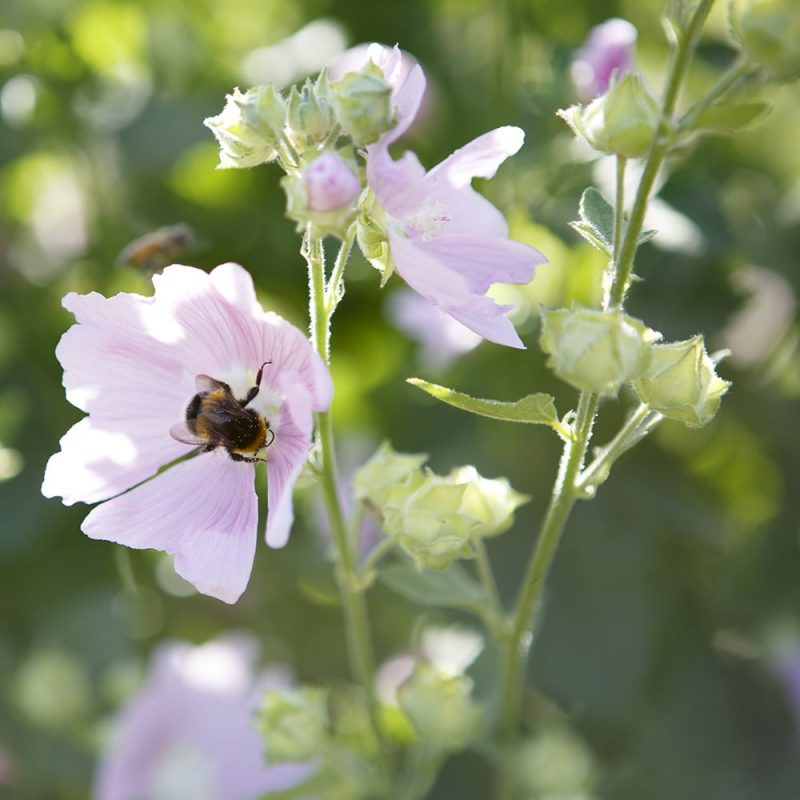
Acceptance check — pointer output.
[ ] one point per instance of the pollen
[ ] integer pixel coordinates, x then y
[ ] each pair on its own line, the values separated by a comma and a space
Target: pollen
430, 221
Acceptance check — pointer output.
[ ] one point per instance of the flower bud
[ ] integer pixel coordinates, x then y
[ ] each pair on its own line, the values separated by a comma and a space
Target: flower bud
681, 382
768, 31
310, 117
622, 122
492, 502
596, 351
324, 193
440, 707
293, 723
428, 522
385, 470
608, 49
362, 102
554, 764
249, 127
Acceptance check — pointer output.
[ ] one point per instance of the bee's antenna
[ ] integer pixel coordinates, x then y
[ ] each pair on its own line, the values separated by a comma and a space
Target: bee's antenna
272, 433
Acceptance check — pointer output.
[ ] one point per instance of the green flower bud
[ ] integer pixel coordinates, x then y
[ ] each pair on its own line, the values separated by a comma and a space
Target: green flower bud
681, 382
362, 102
371, 235
623, 121
596, 351
440, 707
385, 470
294, 723
428, 522
492, 502
310, 117
768, 31
554, 764
249, 127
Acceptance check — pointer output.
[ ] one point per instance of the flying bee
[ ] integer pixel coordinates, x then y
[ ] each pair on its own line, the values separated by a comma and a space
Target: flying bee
215, 418
158, 248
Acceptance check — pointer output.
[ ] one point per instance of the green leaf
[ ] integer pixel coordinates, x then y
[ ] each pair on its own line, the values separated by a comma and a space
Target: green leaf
597, 220
729, 117
646, 236
451, 588
535, 409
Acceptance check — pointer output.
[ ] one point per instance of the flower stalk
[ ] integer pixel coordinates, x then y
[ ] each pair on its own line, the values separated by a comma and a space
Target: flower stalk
359, 643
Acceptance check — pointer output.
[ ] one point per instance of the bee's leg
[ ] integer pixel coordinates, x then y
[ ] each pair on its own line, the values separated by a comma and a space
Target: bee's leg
238, 457
208, 448
255, 389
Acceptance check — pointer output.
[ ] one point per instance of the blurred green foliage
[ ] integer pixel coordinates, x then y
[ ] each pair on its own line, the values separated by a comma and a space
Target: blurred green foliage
652, 638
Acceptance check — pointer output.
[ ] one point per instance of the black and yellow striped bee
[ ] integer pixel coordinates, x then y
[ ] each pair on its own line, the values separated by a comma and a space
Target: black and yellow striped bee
215, 418
158, 248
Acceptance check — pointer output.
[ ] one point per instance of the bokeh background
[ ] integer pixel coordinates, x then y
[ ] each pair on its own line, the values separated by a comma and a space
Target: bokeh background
674, 592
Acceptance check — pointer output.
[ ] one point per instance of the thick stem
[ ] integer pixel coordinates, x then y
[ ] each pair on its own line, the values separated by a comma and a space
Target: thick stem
561, 502
660, 147
359, 643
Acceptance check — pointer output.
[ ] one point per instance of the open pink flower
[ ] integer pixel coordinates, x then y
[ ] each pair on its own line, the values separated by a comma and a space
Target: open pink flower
448, 242
189, 733
132, 363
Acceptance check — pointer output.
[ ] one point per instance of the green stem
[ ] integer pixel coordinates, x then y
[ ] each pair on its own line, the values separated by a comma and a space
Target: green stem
562, 500
727, 81
335, 290
619, 226
662, 142
485, 573
638, 425
359, 643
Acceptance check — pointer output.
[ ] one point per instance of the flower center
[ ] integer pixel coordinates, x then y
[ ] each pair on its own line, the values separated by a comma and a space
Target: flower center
429, 222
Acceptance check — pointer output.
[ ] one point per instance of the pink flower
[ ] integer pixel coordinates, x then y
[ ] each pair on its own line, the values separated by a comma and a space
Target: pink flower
330, 183
136, 364
188, 734
448, 242
608, 48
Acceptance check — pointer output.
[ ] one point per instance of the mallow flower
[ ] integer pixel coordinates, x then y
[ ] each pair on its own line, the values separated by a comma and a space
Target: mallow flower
189, 732
445, 240
152, 374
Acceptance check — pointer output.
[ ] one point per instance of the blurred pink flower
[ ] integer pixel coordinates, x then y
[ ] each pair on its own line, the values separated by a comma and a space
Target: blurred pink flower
447, 241
131, 362
609, 47
188, 733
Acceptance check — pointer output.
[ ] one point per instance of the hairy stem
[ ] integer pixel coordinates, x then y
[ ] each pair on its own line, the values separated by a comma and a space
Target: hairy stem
662, 141
359, 642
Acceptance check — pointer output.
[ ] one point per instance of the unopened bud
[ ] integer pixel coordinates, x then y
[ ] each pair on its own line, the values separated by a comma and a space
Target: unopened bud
622, 122
249, 127
310, 117
362, 102
385, 470
768, 32
492, 502
440, 707
596, 351
681, 382
293, 723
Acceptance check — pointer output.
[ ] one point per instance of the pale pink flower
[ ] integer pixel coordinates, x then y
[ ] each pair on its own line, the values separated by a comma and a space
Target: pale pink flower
188, 734
446, 241
132, 363
608, 49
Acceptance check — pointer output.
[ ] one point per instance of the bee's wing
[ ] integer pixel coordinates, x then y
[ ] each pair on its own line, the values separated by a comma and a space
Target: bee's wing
205, 384
182, 433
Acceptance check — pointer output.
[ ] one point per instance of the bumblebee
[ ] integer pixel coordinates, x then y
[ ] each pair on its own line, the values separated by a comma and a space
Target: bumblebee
215, 418
158, 248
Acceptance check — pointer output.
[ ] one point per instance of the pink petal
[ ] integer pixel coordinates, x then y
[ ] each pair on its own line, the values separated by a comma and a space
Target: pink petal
481, 157
486, 318
235, 284
399, 186
285, 459
204, 511
483, 261
407, 102
98, 462
426, 274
